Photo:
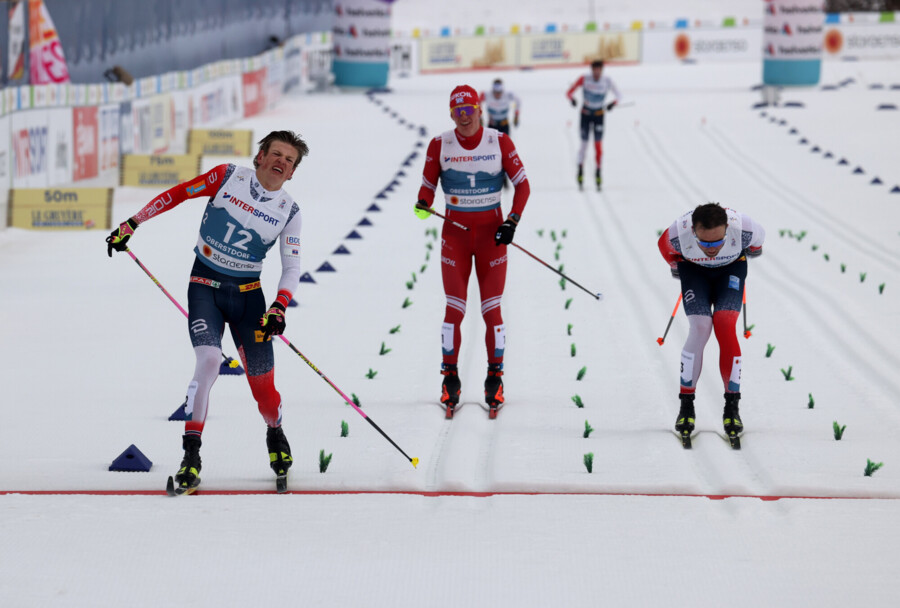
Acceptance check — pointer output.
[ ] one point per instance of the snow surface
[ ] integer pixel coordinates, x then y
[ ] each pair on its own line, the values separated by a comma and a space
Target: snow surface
95, 358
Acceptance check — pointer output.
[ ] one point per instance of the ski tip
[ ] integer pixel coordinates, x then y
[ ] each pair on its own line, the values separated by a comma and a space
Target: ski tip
415, 462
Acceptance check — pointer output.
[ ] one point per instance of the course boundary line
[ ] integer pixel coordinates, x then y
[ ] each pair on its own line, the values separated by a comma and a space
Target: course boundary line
439, 494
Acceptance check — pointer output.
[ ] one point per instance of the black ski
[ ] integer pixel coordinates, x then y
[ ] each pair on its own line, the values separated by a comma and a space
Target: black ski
735, 440
686, 439
281, 483
172, 490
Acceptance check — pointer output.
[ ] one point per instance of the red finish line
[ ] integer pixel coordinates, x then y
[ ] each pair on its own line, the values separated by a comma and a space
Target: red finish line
427, 494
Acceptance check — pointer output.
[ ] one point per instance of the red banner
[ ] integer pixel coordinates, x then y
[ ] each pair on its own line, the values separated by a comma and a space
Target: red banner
254, 92
84, 124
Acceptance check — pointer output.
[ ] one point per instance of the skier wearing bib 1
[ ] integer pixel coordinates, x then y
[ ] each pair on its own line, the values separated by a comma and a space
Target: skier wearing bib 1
247, 213
707, 248
596, 86
471, 163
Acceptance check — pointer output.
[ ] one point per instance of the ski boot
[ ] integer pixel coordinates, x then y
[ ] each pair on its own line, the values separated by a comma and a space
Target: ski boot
684, 424
731, 419
188, 477
279, 456
598, 179
450, 388
493, 388
580, 177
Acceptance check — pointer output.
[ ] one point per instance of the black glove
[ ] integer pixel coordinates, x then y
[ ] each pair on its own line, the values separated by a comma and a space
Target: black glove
516, 120
611, 105
574, 103
118, 238
754, 252
272, 321
675, 274
506, 230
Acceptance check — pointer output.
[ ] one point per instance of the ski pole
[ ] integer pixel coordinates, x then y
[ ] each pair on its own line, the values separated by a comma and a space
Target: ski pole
669, 324
232, 363
598, 295
747, 332
414, 461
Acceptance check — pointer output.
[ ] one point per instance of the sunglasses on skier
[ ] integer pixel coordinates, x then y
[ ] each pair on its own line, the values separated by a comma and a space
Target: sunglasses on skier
464, 110
711, 244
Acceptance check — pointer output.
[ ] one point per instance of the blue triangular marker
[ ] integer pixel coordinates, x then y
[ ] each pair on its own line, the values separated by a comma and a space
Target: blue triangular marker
792, 131
803, 140
395, 183
876, 181
293, 303
895, 190
373, 207
858, 170
381, 195
419, 144
180, 414
325, 267
794, 104
353, 235
364, 222
828, 155
887, 106
782, 122
341, 249
307, 278
401, 174
131, 460
815, 149
843, 161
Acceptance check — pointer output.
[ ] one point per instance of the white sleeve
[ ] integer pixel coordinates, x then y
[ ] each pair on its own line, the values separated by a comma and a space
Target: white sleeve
757, 232
615, 90
290, 253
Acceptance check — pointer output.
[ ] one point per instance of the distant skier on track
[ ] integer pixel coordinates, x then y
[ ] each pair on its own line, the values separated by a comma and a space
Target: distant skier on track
471, 163
247, 213
707, 249
593, 112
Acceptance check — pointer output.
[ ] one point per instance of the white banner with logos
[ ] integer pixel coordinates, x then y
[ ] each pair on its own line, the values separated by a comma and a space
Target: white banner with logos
468, 53
792, 41
5, 166
862, 41
362, 42
579, 48
701, 45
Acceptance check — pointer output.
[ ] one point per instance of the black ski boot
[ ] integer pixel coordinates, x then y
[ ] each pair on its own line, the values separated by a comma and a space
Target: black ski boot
450, 388
188, 476
598, 179
493, 388
279, 450
684, 424
731, 417
580, 177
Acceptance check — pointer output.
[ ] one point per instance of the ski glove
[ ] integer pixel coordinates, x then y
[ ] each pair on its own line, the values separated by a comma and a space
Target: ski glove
611, 105
118, 238
506, 230
273, 322
754, 252
574, 103
421, 209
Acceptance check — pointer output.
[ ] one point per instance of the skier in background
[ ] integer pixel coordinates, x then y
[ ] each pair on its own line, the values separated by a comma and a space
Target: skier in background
707, 248
593, 111
471, 162
499, 104
247, 213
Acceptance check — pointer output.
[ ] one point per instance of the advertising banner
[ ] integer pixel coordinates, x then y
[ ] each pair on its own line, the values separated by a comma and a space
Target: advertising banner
221, 142
362, 40
862, 41
792, 41
702, 45
470, 53
85, 124
126, 128
158, 170
254, 92
5, 159
61, 146
572, 49
60, 209
16, 41
108, 137
45, 54
29, 136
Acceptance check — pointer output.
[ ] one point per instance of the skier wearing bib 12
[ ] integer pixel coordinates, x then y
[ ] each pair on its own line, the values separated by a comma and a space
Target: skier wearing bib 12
707, 248
248, 212
471, 163
593, 111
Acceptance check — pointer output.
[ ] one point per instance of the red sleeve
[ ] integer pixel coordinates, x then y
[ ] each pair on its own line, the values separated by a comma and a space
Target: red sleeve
575, 86
431, 172
512, 164
206, 185
669, 253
